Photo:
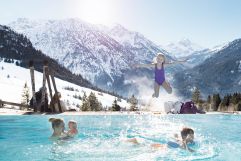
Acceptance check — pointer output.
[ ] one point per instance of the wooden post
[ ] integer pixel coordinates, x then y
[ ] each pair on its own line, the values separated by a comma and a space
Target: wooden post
31, 67
55, 89
1, 104
50, 90
43, 88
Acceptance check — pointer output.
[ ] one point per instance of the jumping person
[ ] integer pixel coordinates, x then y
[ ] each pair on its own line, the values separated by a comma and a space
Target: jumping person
160, 80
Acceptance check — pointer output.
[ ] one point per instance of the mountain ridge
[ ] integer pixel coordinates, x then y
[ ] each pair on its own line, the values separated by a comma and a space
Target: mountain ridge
18, 47
102, 55
219, 73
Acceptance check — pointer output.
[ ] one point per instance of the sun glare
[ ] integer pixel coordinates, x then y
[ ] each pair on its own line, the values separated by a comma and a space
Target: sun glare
96, 11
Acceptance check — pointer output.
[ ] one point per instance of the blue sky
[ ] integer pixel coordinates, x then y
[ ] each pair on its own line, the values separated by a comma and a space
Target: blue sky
205, 22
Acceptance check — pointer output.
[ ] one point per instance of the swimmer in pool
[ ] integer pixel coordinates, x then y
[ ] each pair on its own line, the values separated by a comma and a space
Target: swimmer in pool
72, 128
187, 136
58, 128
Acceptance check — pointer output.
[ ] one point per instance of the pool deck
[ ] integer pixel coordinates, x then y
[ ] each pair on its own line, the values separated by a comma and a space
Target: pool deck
7, 111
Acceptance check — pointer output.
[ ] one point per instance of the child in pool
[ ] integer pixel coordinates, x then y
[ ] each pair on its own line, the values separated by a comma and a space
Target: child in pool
159, 64
72, 128
187, 136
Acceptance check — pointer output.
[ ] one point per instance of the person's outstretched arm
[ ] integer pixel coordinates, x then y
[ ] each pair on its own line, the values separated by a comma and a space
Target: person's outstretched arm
176, 62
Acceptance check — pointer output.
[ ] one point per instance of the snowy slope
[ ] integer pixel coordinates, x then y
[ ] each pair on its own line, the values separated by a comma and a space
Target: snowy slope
11, 88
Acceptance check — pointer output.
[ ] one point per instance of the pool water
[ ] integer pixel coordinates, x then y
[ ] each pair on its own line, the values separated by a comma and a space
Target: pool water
26, 138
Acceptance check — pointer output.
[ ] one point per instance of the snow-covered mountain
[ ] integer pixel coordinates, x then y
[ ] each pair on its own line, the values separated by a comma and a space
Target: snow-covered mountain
100, 54
75, 44
17, 46
14, 46
194, 53
220, 73
13, 78
182, 48
198, 57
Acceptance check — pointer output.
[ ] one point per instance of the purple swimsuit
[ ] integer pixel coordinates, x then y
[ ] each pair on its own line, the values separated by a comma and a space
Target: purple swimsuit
159, 75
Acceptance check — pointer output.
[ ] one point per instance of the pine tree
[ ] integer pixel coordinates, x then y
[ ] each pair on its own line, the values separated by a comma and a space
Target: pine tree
216, 101
209, 99
196, 95
85, 103
224, 103
235, 98
133, 103
115, 106
239, 107
100, 106
17, 63
95, 105
25, 94
226, 100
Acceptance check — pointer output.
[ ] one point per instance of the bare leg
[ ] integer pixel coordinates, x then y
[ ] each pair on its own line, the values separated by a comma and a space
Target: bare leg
156, 90
167, 87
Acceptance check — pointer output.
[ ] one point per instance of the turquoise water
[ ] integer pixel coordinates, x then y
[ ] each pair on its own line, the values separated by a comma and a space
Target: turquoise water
26, 138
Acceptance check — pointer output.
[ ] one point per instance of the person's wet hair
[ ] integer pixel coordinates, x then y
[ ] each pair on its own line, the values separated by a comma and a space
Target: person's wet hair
186, 131
56, 123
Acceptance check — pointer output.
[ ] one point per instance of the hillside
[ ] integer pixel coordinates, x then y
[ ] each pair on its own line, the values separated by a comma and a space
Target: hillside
13, 78
221, 73
17, 46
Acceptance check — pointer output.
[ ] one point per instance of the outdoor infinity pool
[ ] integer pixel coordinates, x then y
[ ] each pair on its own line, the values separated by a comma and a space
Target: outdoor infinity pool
26, 138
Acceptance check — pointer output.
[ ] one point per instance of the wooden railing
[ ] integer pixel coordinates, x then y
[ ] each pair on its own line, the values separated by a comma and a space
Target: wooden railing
2, 103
